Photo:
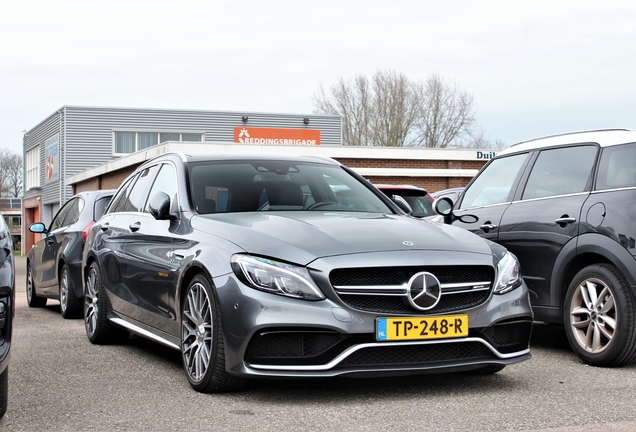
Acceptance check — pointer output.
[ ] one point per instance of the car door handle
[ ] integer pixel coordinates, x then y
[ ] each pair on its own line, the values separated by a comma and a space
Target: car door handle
104, 226
487, 227
135, 227
564, 220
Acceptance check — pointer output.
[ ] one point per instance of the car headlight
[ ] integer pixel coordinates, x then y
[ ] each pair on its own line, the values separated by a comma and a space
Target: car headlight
508, 274
276, 277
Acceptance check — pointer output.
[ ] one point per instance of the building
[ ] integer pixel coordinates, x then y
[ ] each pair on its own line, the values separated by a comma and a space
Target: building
80, 148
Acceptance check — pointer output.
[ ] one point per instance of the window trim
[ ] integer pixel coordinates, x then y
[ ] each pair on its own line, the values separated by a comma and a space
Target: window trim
32, 168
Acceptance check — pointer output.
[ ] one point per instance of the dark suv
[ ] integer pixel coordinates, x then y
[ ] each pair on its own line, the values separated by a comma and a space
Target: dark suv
565, 206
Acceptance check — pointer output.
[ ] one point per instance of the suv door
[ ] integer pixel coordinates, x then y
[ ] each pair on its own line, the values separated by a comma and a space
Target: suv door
488, 196
545, 215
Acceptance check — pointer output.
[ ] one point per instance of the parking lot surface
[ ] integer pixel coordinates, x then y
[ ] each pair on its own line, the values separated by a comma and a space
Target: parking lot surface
59, 381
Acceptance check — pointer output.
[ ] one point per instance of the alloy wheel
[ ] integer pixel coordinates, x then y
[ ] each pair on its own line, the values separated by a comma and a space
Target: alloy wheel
196, 332
91, 298
64, 290
593, 315
29, 290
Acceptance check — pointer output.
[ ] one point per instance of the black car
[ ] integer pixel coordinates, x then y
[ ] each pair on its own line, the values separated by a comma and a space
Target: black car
7, 310
257, 266
419, 201
565, 206
54, 261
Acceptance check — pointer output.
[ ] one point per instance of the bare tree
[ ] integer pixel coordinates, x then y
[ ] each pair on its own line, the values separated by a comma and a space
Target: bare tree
10, 174
380, 111
447, 113
391, 110
351, 101
477, 140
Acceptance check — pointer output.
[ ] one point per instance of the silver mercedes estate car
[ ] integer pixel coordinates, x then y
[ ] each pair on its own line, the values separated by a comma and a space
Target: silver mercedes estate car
271, 266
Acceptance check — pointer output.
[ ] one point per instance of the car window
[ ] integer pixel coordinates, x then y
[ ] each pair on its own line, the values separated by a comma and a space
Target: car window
166, 182
617, 168
492, 185
282, 186
58, 220
100, 206
560, 171
119, 200
136, 200
74, 212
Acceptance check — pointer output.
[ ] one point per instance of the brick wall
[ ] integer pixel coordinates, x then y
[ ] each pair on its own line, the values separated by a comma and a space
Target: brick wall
113, 179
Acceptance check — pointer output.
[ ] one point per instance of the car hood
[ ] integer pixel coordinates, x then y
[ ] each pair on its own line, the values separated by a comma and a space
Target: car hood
302, 237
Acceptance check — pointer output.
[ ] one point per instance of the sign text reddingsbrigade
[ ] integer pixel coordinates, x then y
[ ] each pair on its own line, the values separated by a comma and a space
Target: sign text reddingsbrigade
276, 136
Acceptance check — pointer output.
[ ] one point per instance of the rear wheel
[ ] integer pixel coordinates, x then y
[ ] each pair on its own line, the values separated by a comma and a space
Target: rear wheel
202, 341
70, 306
98, 329
599, 316
32, 298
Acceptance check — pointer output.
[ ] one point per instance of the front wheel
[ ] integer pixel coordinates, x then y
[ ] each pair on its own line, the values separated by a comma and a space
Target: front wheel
70, 306
202, 341
98, 329
32, 298
598, 314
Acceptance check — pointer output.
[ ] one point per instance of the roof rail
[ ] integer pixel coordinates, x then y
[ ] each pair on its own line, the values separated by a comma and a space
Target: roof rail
574, 133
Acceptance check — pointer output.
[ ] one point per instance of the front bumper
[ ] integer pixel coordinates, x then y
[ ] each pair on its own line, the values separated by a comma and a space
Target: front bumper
274, 336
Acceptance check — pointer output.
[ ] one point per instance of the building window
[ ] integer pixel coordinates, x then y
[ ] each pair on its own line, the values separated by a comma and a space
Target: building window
33, 168
130, 142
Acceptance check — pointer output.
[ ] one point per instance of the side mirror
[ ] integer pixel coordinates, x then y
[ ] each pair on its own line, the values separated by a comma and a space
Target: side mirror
159, 206
37, 227
402, 204
444, 207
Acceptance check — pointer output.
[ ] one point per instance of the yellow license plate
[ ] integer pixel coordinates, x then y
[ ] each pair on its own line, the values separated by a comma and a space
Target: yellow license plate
419, 328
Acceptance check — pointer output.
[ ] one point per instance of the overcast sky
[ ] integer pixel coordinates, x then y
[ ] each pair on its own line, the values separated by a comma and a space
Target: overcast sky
534, 68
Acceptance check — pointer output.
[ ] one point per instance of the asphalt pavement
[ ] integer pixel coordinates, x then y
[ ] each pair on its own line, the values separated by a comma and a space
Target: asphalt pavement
59, 381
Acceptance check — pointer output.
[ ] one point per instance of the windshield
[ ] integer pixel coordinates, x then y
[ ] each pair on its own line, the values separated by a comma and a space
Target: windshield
240, 186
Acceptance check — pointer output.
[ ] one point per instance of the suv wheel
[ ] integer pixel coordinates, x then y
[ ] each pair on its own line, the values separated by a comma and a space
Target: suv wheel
70, 306
32, 299
98, 329
599, 316
202, 341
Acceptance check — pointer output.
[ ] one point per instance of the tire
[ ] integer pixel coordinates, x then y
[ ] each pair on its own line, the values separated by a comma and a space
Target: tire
99, 329
32, 298
70, 305
598, 314
4, 391
202, 348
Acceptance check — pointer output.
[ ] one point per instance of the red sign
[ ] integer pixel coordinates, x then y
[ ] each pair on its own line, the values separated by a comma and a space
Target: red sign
276, 136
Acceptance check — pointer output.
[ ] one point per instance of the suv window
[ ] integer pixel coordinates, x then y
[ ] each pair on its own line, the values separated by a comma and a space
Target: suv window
560, 171
617, 168
494, 183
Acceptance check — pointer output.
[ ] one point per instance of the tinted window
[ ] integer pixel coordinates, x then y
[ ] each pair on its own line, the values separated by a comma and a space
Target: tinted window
58, 220
560, 171
493, 184
139, 194
617, 168
166, 182
119, 200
